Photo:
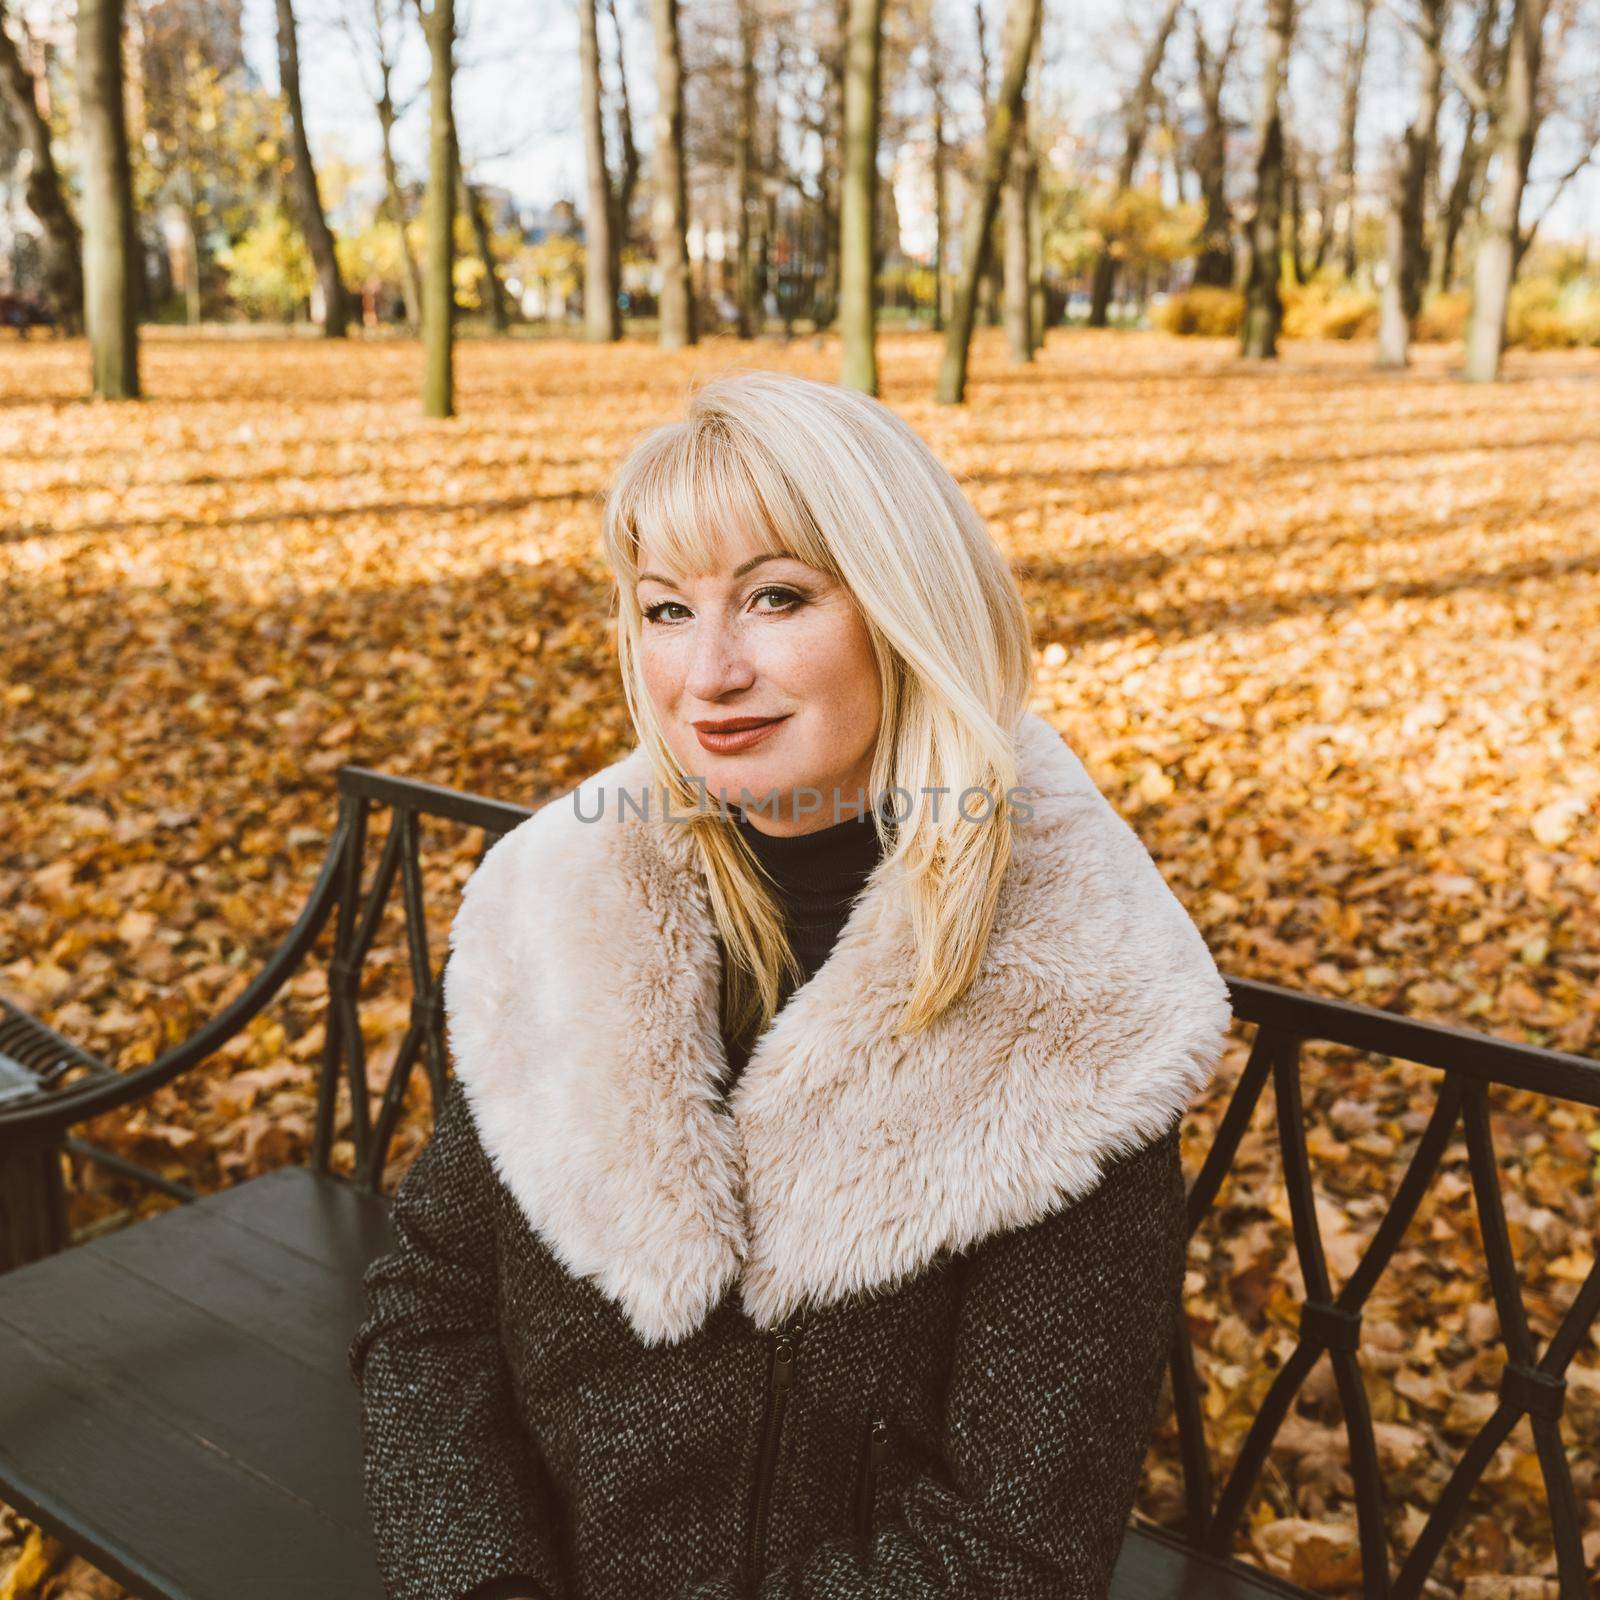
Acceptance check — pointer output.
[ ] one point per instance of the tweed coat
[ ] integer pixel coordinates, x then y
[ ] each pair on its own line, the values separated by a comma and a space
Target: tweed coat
888, 1321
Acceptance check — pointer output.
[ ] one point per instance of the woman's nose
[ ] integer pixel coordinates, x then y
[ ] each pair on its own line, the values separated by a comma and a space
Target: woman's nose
718, 659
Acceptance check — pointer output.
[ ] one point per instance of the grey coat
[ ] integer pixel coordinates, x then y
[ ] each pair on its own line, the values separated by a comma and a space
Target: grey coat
889, 1321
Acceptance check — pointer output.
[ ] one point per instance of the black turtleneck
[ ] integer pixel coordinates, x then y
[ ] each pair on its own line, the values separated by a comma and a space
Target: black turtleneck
816, 879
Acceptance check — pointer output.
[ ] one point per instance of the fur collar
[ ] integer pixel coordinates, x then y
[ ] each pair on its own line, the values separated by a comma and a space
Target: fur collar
581, 1003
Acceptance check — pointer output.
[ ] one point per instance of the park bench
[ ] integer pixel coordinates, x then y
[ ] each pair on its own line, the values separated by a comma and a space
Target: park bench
174, 1400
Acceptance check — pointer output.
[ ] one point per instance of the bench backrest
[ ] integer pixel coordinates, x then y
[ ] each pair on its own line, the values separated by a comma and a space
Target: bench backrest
1458, 1068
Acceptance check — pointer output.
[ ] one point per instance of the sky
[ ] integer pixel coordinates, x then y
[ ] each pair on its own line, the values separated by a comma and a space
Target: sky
517, 89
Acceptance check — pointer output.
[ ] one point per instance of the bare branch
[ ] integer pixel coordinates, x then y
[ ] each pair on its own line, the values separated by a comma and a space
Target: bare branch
1476, 95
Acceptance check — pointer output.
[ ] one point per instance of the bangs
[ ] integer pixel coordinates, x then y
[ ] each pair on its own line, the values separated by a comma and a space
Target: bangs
695, 490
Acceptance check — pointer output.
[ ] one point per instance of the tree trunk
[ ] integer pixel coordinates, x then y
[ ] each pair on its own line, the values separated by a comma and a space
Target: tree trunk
1022, 26
629, 180
1263, 312
62, 243
1402, 288
1018, 243
193, 310
858, 198
1349, 111
1453, 211
671, 209
831, 177
990, 287
1447, 226
494, 291
601, 319
941, 209
438, 304
411, 278
1214, 261
110, 259
308, 201
1037, 315
1491, 288
1014, 218
743, 174
1136, 117
1291, 181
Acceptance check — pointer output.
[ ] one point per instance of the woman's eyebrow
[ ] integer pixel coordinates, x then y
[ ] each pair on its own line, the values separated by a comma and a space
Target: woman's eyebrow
739, 571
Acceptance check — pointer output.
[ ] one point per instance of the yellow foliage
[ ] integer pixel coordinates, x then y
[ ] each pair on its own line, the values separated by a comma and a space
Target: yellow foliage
1545, 314
1443, 317
1209, 312
269, 270
1322, 310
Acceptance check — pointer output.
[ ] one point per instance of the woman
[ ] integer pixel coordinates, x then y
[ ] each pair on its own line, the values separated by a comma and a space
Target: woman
805, 1217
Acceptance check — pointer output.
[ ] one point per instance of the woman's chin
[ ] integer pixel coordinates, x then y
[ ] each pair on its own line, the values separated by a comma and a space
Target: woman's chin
729, 776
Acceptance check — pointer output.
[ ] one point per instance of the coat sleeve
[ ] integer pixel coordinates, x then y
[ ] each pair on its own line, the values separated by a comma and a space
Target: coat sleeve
1064, 1332
458, 1506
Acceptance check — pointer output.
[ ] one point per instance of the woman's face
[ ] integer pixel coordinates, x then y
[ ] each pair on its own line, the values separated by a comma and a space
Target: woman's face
769, 638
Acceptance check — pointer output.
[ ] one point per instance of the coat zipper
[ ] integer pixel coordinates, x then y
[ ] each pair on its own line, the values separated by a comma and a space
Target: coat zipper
877, 1449
780, 1379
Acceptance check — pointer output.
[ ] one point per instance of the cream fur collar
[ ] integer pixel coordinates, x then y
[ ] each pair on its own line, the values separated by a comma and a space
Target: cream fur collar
581, 1003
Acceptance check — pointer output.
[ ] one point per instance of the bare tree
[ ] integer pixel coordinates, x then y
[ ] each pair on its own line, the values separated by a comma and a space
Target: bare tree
494, 291
438, 304
111, 264
1016, 203
989, 283
370, 26
46, 199
1135, 125
1455, 201
1031, 131
1401, 298
1589, 146
858, 203
937, 78
1344, 210
1513, 149
744, 297
1214, 263
308, 200
671, 208
602, 319
1512, 114
829, 127
1263, 311
1022, 25
628, 179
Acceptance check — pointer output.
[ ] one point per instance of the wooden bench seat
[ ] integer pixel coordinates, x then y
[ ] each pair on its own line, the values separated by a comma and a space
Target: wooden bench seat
174, 1400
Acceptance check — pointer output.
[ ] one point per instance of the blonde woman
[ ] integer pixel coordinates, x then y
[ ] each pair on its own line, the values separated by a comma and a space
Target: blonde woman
805, 1219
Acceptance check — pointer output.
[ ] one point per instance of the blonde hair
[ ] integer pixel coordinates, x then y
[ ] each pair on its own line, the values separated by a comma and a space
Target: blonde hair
834, 477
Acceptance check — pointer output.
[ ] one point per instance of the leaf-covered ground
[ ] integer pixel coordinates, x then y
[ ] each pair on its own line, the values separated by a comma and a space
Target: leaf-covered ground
1329, 639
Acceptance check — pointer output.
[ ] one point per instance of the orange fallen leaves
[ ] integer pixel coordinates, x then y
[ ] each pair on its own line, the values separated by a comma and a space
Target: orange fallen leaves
1328, 638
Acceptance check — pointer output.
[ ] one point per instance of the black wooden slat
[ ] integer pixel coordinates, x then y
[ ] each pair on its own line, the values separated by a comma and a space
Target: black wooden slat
304, 1308
324, 1218
1152, 1567
296, 1426
167, 1517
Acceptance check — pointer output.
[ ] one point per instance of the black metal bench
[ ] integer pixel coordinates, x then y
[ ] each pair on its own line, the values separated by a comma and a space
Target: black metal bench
174, 1402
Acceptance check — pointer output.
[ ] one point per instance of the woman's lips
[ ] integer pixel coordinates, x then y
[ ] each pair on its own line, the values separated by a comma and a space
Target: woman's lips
722, 744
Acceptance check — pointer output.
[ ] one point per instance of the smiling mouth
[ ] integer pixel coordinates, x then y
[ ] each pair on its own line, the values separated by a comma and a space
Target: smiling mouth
736, 733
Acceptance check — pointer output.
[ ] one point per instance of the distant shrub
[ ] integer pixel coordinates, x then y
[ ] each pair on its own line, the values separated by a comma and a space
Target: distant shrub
1545, 314
1206, 312
1443, 318
1322, 310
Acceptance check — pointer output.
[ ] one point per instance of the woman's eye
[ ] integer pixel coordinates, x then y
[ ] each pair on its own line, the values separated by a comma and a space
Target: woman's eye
785, 600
